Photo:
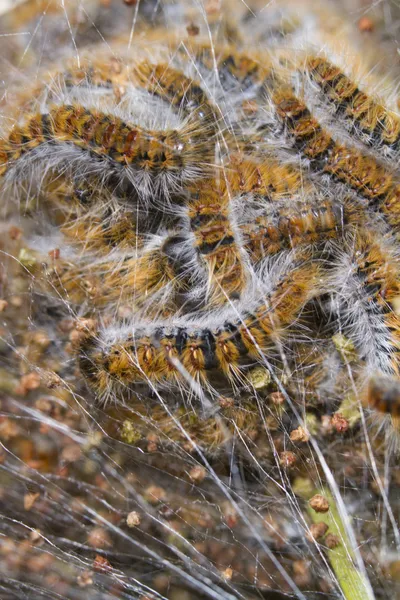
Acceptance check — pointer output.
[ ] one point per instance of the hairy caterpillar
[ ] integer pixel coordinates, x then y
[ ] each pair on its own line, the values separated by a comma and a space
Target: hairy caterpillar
199, 305
152, 354
376, 126
146, 159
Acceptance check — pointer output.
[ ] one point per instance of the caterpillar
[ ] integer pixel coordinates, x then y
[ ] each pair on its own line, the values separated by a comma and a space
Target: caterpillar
269, 230
199, 304
152, 354
372, 122
370, 274
146, 159
359, 171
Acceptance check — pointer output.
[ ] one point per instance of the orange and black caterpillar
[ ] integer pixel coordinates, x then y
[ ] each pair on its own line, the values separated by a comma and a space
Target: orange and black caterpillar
346, 164
365, 281
179, 91
159, 79
378, 127
215, 240
235, 68
161, 353
303, 223
137, 152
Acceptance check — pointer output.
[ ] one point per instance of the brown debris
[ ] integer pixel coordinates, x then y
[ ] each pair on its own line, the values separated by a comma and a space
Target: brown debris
332, 541
85, 579
319, 503
133, 519
287, 459
29, 500
340, 423
317, 531
193, 30
28, 382
299, 435
197, 474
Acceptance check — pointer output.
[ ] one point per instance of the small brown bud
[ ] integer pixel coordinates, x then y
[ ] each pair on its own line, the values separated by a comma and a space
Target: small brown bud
340, 423
287, 459
99, 538
16, 301
332, 541
365, 24
277, 398
319, 503
317, 531
227, 574
133, 519
29, 382
301, 572
71, 453
155, 494
299, 435
197, 474
193, 30
3, 305
85, 579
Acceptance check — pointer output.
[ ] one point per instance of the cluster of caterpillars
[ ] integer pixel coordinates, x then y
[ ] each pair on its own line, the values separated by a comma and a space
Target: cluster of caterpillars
205, 194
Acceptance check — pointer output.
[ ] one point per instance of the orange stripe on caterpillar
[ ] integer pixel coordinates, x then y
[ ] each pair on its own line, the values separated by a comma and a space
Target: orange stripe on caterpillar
151, 355
368, 116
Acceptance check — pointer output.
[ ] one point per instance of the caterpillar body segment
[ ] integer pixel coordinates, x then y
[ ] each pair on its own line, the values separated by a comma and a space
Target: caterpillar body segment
155, 275
367, 284
181, 351
148, 159
185, 95
215, 239
268, 230
359, 171
266, 177
179, 91
375, 125
234, 68
91, 217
